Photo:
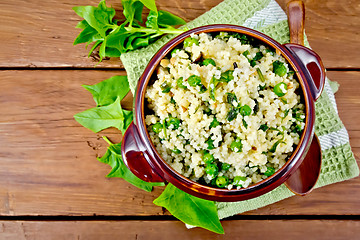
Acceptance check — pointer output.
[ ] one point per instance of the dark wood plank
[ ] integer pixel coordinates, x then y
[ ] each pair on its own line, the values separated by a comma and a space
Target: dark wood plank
240, 229
40, 34
48, 161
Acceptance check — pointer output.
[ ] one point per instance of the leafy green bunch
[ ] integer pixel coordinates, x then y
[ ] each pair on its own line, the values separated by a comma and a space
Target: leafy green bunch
109, 113
116, 37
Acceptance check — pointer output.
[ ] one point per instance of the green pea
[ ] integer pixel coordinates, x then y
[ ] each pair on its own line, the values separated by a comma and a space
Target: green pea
180, 84
208, 158
227, 76
236, 145
211, 169
278, 89
209, 61
173, 122
194, 80
176, 151
174, 51
279, 68
270, 171
157, 127
237, 179
221, 181
245, 110
188, 42
225, 166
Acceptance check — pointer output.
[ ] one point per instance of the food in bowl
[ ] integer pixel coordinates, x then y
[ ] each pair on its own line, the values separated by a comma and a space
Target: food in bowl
224, 110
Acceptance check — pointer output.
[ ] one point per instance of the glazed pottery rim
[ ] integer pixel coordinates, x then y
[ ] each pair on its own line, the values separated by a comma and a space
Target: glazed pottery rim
297, 155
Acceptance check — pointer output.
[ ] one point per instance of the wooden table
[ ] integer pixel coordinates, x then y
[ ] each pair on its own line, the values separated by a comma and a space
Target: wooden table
52, 186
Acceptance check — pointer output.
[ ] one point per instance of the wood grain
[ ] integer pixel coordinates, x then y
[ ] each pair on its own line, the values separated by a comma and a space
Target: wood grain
48, 160
40, 33
151, 230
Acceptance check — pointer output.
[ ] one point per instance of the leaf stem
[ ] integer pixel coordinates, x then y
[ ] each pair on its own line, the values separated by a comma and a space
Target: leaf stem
107, 140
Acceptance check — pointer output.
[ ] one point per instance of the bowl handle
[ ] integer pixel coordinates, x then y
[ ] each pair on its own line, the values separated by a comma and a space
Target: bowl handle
303, 180
136, 158
312, 67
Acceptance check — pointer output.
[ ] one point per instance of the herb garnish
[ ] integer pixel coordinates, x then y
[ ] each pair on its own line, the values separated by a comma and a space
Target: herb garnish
114, 38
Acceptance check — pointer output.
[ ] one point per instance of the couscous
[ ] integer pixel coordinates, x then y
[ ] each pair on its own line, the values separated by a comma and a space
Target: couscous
225, 111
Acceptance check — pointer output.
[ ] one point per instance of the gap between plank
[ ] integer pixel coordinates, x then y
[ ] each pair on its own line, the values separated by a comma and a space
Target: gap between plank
171, 218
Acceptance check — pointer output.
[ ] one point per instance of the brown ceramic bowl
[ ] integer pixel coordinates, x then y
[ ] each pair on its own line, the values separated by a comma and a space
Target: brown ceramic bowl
142, 158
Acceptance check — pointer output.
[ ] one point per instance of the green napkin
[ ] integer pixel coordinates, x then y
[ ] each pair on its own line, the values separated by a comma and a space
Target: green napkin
338, 163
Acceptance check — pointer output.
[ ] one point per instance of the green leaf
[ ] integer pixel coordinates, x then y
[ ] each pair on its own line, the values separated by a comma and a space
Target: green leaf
166, 18
114, 39
189, 209
107, 91
102, 50
150, 4
152, 20
82, 24
132, 10
99, 18
88, 35
112, 52
128, 118
99, 118
97, 43
113, 158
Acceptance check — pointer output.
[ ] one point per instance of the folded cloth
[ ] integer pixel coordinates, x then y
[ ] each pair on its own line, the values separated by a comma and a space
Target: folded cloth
338, 163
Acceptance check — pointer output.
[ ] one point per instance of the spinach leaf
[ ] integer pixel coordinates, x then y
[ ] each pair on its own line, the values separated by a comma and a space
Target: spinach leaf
88, 35
99, 118
99, 26
113, 158
150, 4
152, 20
99, 18
189, 209
107, 91
128, 118
132, 10
166, 18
